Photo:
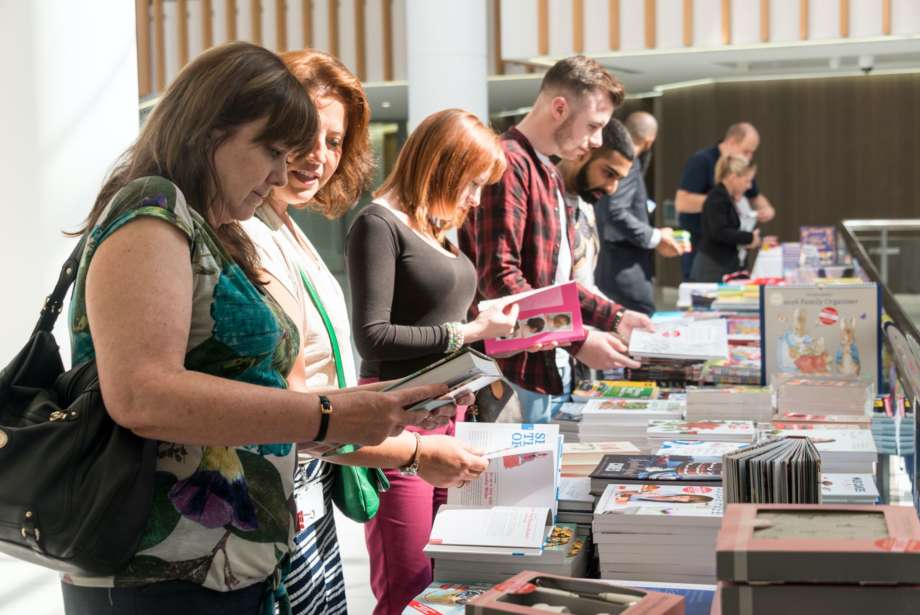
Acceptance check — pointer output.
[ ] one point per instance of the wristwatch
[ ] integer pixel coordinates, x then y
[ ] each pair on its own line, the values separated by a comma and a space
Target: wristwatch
618, 318
325, 409
411, 469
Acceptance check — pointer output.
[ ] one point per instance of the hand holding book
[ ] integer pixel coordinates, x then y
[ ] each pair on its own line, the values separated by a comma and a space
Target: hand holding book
445, 461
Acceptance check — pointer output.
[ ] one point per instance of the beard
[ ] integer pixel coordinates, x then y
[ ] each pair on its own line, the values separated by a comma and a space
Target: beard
588, 194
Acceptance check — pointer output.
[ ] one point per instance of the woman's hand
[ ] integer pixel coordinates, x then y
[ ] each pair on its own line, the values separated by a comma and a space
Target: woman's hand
445, 461
498, 321
369, 417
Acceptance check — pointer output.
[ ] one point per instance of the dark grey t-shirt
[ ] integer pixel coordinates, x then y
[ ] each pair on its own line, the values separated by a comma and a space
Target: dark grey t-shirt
403, 291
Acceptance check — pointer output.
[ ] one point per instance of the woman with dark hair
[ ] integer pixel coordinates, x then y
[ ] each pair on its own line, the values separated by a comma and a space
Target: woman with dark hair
190, 350
411, 289
329, 178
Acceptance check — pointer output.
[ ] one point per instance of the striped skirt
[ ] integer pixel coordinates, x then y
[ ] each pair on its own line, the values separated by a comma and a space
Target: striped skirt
316, 584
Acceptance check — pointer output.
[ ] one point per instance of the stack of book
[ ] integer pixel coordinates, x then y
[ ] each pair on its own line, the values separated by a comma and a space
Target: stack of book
620, 389
580, 458
741, 367
665, 532
445, 598
667, 371
843, 451
576, 504
564, 553
568, 419
782, 471
848, 489
789, 420
698, 448
712, 430
731, 403
625, 420
806, 559
656, 469
817, 395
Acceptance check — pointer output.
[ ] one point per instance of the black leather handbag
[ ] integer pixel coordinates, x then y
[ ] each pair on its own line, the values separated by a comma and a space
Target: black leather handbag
75, 488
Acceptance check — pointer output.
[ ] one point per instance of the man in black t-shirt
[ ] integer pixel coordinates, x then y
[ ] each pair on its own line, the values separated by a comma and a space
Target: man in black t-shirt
699, 178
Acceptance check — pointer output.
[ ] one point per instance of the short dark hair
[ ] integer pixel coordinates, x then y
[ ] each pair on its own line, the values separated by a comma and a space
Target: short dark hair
616, 139
580, 75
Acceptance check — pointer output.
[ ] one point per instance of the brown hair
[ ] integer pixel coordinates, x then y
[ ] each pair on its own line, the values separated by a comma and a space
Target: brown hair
324, 75
446, 152
223, 88
733, 164
579, 75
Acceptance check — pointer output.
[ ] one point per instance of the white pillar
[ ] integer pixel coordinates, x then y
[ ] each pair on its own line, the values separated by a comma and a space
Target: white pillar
447, 60
69, 108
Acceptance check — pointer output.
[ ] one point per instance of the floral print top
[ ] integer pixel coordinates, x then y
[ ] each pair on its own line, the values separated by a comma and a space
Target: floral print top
221, 516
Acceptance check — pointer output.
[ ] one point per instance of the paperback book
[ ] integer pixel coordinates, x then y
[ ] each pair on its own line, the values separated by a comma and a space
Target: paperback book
692, 341
445, 598
465, 371
656, 469
625, 389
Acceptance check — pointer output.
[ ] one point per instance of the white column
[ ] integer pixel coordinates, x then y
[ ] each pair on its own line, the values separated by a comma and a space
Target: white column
69, 108
447, 57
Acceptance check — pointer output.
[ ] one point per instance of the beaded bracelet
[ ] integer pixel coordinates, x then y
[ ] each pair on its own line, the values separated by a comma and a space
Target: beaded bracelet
454, 337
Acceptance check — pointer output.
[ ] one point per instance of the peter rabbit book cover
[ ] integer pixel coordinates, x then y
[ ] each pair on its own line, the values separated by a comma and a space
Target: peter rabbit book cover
821, 330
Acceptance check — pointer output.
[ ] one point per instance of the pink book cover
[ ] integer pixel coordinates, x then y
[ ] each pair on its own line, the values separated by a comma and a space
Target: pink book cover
550, 314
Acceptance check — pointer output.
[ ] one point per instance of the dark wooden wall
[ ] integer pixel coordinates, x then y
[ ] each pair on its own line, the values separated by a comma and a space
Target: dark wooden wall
831, 148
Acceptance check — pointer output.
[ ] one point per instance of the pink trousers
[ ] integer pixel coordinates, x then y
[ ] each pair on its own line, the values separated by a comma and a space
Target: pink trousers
396, 535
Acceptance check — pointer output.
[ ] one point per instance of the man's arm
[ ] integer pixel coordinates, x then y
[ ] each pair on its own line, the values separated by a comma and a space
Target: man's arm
689, 202
763, 207
621, 206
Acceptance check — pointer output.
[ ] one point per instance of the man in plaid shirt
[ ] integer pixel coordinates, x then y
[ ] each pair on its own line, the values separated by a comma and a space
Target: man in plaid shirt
521, 235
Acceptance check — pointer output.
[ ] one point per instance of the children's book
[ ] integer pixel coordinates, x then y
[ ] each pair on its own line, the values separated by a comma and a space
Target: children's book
550, 314
824, 240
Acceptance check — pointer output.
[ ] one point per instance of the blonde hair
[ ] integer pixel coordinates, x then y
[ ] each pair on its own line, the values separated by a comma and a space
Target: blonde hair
733, 164
446, 152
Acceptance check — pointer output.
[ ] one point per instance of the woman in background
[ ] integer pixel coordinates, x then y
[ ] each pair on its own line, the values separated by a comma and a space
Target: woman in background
328, 179
411, 289
721, 224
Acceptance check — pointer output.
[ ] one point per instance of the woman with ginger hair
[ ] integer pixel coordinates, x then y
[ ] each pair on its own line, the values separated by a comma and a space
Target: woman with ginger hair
329, 178
411, 289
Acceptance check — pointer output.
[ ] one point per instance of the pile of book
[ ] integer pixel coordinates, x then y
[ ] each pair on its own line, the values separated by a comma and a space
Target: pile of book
710, 430
781, 471
564, 553
664, 532
656, 469
799, 420
668, 371
848, 489
827, 395
576, 504
625, 419
731, 403
842, 450
568, 419
806, 559
580, 458
741, 367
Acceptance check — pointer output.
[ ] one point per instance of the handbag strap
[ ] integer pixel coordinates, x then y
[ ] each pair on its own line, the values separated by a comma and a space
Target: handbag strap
333, 339
54, 302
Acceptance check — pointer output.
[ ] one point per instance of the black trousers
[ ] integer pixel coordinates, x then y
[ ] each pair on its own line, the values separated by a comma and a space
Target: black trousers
168, 598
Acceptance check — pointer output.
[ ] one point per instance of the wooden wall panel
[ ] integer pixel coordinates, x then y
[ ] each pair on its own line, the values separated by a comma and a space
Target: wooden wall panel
831, 148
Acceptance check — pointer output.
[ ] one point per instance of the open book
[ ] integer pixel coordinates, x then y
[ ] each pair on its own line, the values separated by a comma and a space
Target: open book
465, 371
550, 314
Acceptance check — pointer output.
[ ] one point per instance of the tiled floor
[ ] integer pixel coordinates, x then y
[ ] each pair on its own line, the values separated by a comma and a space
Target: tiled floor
29, 590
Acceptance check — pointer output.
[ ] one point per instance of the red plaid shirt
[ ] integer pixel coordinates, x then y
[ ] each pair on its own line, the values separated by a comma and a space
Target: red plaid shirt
513, 238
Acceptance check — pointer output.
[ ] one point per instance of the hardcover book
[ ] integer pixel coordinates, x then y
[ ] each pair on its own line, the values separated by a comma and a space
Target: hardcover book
550, 314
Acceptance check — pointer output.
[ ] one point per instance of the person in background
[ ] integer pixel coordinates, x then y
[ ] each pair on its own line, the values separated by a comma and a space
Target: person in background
329, 179
721, 229
523, 235
190, 350
588, 180
411, 290
624, 271
741, 139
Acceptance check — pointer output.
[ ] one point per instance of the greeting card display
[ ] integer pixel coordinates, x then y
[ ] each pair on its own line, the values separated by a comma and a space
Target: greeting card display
821, 330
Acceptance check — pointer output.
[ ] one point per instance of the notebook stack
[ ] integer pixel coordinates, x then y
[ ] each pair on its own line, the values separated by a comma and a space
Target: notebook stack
656, 469
625, 420
580, 458
564, 553
712, 430
807, 559
730, 403
576, 504
664, 532
843, 451
816, 395
848, 489
781, 471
